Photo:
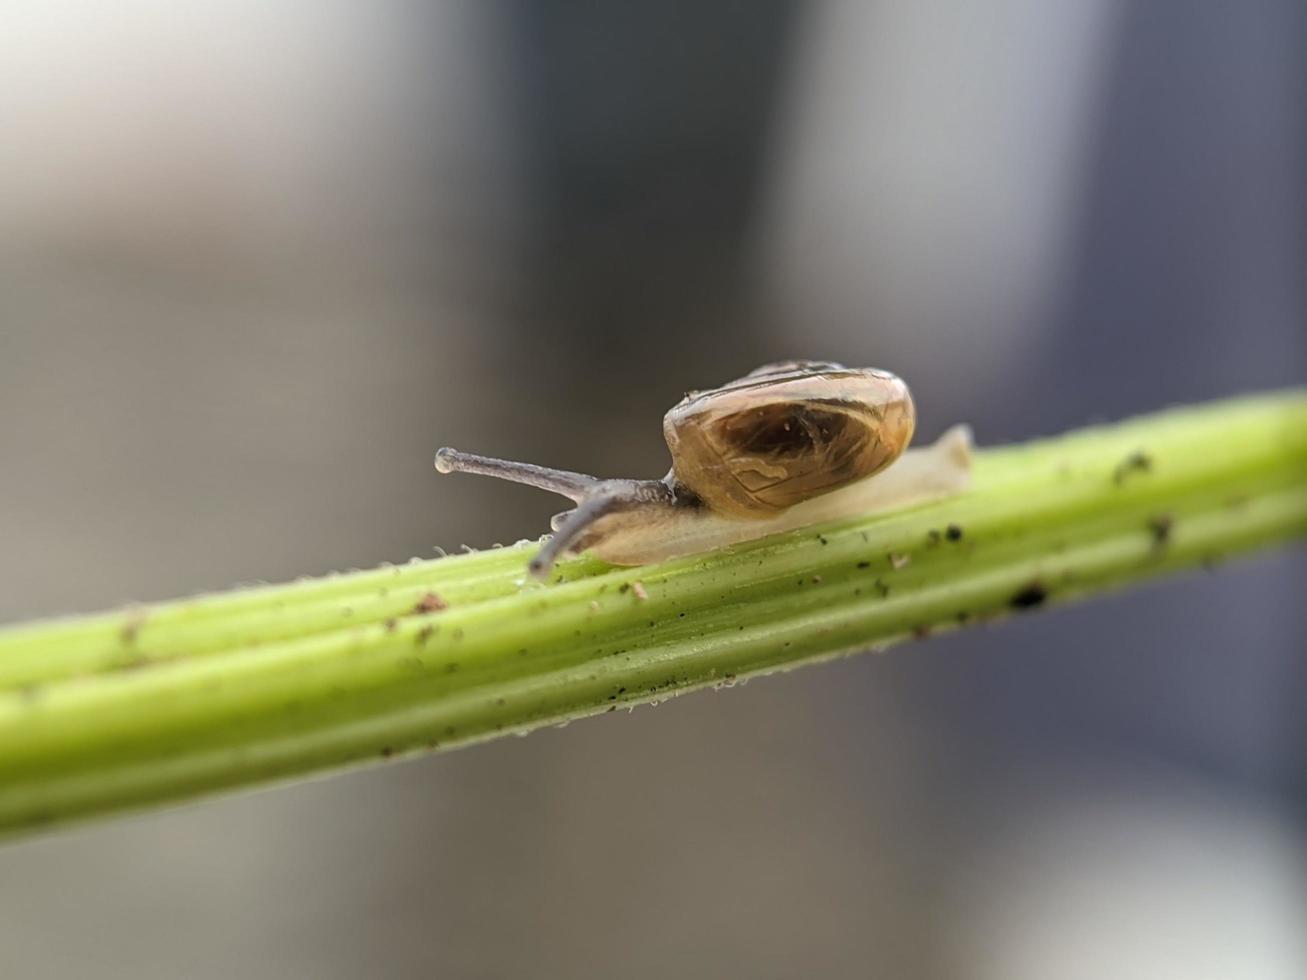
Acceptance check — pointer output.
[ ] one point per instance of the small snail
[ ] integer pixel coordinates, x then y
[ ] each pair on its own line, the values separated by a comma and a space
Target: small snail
786, 446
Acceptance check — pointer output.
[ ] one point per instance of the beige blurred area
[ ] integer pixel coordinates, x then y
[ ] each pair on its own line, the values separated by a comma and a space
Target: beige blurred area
258, 260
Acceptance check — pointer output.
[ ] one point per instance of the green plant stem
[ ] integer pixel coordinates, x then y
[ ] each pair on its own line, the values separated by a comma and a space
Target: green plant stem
178, 699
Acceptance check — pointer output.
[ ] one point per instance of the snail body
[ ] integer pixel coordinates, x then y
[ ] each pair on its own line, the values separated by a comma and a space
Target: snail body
787, 446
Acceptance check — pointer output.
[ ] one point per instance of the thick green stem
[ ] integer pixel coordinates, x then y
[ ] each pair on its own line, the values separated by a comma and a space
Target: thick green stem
174, 700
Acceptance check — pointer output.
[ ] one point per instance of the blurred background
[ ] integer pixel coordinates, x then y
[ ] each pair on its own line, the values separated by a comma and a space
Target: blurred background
258, 259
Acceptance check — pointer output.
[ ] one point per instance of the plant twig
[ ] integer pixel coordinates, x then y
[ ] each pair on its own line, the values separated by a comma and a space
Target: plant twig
179, 699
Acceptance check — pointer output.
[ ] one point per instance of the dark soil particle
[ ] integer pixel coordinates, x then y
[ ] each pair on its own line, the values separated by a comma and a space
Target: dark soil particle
1160, 526
1030, 597
132, 628
1137, 462
430, 603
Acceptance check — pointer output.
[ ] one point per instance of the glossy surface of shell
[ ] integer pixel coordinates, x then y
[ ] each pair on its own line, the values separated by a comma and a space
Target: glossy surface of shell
786, 433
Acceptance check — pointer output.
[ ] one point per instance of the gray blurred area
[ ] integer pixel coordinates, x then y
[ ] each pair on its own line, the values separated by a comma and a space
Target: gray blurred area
257, 260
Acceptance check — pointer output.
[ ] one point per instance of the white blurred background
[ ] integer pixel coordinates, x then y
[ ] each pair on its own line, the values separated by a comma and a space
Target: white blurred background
257, 260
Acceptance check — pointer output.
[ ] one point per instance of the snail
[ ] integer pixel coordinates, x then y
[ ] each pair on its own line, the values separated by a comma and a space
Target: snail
788, 445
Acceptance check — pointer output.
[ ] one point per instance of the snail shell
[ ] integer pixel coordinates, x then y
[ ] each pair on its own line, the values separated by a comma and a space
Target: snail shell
787, 433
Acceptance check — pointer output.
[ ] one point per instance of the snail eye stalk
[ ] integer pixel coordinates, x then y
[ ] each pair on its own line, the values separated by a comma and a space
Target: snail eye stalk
572, 527
576, 486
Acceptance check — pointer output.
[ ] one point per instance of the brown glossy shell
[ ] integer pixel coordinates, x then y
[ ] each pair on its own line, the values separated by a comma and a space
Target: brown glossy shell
786, 433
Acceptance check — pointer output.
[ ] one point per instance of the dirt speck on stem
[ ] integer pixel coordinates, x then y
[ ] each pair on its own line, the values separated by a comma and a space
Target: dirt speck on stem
1029, 597
429, 603
1135, 463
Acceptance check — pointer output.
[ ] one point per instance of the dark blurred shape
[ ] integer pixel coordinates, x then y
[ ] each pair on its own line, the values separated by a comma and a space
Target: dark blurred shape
645, 133
1189, 280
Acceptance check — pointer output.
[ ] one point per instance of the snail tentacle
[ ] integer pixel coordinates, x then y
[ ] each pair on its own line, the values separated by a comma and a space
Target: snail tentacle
565, 483
607, 498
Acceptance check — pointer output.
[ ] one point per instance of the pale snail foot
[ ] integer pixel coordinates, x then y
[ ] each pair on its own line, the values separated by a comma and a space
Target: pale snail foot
919, 476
